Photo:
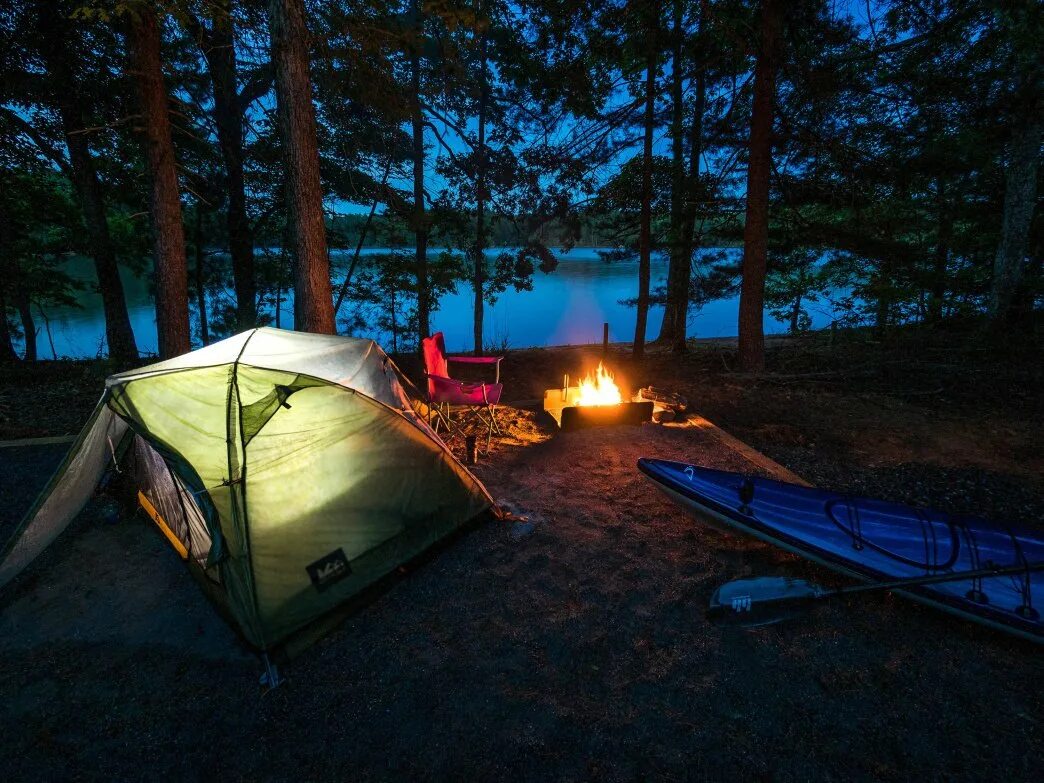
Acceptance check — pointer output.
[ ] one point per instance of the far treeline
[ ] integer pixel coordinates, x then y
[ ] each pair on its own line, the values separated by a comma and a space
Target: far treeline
591, 231
887, 149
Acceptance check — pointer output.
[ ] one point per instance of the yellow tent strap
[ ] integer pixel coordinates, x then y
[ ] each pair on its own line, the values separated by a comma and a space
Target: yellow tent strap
152, 512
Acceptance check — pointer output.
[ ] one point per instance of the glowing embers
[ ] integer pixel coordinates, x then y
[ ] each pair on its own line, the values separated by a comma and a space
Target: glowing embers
596, 402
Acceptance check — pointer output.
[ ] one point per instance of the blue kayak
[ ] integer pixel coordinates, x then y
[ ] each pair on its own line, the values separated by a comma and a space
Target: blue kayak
874, 540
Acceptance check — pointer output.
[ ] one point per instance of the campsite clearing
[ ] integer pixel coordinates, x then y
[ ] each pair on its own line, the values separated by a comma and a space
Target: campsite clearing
578, 651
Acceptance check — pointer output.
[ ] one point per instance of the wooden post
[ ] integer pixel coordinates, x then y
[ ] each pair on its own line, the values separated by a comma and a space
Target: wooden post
605, 339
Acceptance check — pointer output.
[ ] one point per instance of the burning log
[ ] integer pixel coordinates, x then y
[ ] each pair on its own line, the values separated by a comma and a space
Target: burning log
664, 399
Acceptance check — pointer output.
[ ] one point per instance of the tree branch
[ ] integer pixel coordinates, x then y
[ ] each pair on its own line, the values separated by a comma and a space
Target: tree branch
52, 153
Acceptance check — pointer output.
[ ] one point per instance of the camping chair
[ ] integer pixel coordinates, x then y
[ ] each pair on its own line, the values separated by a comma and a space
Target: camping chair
480, 399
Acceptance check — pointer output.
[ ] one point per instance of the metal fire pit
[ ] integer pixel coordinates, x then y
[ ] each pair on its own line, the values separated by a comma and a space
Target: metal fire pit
578, 417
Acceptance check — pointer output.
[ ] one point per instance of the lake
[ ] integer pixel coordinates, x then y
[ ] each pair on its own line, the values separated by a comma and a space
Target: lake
567, 306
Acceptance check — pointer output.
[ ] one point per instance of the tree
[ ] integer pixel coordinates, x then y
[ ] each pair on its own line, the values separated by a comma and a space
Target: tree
904, 136
420, 221
794, 282
38, 220
645, 224
684, 185
171, 275
1023, 26
218, 45
759, 165
1020, 199
61, 50
481, 193
8, 278
313, 298
502, 175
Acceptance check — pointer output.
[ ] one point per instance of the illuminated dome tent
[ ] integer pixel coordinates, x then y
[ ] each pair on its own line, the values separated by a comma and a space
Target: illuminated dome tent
288, 469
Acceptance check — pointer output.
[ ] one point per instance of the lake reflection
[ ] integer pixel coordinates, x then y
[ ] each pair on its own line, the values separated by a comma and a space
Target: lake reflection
567, 306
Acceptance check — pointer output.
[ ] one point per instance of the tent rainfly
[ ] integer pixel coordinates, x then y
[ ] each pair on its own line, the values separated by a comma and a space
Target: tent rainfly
288, 469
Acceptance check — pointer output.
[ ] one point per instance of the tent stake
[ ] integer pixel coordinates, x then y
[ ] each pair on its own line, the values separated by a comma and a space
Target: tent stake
270, 677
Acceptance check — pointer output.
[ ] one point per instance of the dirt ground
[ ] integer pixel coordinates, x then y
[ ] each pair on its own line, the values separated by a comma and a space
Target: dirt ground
577, 652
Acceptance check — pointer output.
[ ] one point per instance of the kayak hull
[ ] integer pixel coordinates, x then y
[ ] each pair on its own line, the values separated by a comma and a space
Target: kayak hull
873, 540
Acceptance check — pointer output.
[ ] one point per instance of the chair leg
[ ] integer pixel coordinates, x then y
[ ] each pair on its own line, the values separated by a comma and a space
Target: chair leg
441, 413
488, 421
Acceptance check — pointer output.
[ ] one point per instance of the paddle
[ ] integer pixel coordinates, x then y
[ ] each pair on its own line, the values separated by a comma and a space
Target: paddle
770, 599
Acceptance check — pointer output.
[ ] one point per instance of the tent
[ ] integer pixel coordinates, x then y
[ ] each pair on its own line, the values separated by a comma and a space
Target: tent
289, 470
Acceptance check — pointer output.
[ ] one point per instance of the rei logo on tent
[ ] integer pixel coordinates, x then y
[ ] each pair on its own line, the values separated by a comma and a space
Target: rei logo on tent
329, 569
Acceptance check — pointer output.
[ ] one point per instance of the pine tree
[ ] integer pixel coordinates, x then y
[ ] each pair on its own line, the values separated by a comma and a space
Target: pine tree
313, 298
759, 165
171, 274
652, 22
218, 45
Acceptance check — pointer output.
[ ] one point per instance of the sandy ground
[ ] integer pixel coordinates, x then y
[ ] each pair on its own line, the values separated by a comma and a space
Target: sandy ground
578, 652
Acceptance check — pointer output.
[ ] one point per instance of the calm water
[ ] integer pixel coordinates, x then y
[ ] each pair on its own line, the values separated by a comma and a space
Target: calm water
567, 306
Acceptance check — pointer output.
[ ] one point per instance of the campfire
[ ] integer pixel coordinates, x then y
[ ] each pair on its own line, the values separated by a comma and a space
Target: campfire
598, 389
596, 401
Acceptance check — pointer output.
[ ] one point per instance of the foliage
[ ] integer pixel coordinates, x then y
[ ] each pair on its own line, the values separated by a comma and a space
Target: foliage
892, 139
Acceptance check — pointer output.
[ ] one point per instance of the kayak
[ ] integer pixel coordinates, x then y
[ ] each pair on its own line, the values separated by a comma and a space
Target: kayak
874, 540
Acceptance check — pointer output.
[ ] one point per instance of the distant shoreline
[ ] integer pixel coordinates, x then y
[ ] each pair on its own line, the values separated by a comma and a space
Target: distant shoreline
221, 251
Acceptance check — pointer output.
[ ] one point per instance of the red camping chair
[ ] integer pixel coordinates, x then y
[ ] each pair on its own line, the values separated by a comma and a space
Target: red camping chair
480, 399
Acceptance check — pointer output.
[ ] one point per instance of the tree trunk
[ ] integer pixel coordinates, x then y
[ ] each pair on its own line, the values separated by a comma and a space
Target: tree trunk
689, 234
168, 234
645, 227
796, 307
200, 278
678, 245
313, 295
23, 304
7, 349
47, 329
394, 325
479, 272
118, 332
882, 314
755, 232
220, 52
1020, 198
359, 244
944, 232
795, 314
882, 287
7, 263
420, 224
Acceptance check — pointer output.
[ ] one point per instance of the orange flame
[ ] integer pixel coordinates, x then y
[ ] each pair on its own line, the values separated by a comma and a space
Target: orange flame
599, 389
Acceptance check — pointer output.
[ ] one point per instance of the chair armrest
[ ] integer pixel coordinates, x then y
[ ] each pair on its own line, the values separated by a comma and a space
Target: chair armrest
474, 359
442, 380
496, 360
